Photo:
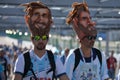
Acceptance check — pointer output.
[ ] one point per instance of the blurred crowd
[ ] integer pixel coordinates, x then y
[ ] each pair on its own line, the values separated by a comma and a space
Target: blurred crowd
9, 54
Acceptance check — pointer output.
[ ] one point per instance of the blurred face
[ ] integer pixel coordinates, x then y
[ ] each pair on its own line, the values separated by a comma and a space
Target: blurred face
40, 42
40, 19
83, 24
66, 51
1, 53
88, 41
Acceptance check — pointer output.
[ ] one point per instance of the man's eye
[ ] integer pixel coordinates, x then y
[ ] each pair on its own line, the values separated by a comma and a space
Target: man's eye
84, 18
45, 15
36, 14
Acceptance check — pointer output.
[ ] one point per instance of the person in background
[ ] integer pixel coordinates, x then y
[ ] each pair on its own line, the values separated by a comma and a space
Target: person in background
117, 77
89, 63
112, 65
64, 56
39, 20
4, 61
2, 75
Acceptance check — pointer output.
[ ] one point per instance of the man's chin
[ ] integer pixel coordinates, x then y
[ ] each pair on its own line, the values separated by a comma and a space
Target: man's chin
40, 48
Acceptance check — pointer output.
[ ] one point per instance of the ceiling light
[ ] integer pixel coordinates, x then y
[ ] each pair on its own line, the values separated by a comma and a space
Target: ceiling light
5, 6
119, 12
56, 8
100, 38
20, 33
26, 33
103, 0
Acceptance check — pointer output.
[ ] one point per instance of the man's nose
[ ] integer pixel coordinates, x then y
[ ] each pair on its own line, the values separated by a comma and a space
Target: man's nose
40, 17
89, 20
91, 23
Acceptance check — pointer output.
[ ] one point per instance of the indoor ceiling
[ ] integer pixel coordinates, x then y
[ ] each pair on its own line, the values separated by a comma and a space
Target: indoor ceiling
105, 12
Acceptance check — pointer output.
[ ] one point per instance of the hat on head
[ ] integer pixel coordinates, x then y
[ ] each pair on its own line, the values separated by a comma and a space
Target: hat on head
37, 30
77, 7
73, 17
29, 7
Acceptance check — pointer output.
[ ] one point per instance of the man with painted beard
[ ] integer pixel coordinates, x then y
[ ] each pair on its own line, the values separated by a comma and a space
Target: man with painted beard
38, 19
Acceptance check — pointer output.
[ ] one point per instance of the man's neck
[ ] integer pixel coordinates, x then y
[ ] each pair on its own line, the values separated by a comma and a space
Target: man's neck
86, 51
39, 53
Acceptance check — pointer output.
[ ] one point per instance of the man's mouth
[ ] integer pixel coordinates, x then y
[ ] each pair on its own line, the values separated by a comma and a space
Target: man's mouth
39, 25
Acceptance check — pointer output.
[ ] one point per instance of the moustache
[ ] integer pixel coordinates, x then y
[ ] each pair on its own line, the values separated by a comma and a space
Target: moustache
35, 24
40, 25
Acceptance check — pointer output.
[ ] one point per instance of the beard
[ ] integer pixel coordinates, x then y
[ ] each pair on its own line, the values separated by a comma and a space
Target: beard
40, 46
91, 44
87, 29
39, 27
